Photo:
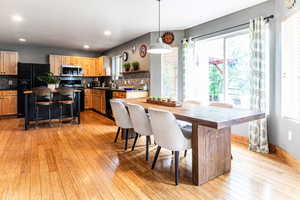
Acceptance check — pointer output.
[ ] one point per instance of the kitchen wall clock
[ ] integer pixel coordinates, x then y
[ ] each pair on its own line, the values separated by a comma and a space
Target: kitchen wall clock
143, 50
125, 56
168, 37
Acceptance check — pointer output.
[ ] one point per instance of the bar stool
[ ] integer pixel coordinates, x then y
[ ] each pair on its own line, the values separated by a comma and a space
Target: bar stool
43, 97
167, 134
141, 125
122, 118
67, 97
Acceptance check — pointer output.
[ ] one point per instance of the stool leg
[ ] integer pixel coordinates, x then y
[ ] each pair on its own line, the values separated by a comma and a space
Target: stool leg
72, 113
61, 110
49, 112
37, 115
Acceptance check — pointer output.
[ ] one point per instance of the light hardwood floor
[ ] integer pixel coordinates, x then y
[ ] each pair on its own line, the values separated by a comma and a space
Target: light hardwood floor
82, 162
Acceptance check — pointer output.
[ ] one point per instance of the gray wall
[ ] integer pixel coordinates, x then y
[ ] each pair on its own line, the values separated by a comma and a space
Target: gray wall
144, 62
155, 64
40, 54
279, 125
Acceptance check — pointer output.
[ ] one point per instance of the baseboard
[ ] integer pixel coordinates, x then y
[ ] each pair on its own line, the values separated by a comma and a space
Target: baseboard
282, 154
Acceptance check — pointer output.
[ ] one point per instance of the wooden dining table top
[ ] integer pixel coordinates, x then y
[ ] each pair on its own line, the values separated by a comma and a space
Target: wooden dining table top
209, 116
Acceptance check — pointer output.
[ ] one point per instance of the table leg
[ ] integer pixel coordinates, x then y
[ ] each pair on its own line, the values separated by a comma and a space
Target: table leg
211, 153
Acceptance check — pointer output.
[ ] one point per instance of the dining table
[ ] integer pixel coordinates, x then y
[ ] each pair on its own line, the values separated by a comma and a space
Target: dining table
211, 134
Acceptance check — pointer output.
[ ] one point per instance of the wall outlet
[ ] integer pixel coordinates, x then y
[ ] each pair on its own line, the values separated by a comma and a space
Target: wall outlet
290, 135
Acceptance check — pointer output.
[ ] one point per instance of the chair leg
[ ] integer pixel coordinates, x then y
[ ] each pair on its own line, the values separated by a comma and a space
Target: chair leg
36, 115
117, 135
148, 140
155, 157
126, 139
185, 152
231, 157
135, 139
172, 152
176, 167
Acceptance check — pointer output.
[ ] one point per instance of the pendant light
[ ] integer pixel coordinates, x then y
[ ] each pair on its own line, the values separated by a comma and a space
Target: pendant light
159, 47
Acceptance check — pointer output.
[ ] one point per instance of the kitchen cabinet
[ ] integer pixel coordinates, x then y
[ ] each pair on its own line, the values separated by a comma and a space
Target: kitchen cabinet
99, 101
88, 99
55, 64
8, 102
90, 66
8, 63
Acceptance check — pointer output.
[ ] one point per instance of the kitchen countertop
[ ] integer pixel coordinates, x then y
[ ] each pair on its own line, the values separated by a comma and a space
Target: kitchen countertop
117, 90
4, 89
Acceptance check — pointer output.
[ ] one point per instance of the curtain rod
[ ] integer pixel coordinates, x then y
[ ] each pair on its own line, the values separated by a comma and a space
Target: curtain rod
267, 19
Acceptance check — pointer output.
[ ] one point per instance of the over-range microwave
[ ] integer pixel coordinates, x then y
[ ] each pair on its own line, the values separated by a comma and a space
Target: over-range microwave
71, 70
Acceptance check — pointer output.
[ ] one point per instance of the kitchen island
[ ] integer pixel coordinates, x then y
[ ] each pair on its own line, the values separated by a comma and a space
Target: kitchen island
211, 135
55, 108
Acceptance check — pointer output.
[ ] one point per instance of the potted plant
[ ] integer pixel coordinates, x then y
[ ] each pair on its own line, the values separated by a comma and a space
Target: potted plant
135, 65
127, 66
50, 79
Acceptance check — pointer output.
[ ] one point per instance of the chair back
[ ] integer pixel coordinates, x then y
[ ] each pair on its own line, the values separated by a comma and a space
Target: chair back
166, 131
42, 94
139, 119
66, 94
220, 104
120, 114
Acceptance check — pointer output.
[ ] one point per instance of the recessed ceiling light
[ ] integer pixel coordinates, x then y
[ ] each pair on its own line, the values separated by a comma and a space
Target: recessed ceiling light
17, 18
107, 33
86, 46
22, 39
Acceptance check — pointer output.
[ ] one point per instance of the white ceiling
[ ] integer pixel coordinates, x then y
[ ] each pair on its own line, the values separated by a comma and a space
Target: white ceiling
73, 23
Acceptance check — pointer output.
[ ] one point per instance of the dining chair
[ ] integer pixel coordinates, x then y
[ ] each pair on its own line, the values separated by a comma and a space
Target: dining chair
66, 97
168, 135
43, 97
141, 125
122, 119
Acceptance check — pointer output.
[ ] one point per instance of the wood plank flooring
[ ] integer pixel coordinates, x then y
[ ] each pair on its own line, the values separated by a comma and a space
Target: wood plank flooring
82, 162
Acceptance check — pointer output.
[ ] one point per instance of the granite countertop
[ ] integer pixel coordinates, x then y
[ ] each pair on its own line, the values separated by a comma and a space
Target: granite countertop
3, 89
117, 90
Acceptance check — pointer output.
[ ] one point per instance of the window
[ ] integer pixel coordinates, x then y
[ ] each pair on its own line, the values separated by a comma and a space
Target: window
228, 62
170, 74
116, 63
291, 67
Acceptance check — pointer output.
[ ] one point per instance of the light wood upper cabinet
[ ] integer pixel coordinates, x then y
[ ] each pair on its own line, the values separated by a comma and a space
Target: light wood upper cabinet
90, 66
55, 64
8, 102
8, 63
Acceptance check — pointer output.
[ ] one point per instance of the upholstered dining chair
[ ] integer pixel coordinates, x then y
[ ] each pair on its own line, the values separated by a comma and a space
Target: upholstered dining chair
168, 134
141, 125
122, 119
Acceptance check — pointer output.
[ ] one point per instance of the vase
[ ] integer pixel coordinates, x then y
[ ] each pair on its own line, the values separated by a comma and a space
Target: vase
51, 86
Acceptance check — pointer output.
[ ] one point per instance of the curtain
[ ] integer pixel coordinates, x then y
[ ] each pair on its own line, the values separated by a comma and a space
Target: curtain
258, 136
195, 71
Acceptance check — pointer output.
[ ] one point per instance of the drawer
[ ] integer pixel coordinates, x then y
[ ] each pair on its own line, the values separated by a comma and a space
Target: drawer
8, 93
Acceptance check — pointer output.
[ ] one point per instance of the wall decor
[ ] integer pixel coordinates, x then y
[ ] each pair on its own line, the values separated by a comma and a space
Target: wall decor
168, 37
290, 3
143, 50
125, 56
133, 49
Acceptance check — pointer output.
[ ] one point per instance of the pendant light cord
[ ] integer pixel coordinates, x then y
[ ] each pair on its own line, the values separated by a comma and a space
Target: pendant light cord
158, 18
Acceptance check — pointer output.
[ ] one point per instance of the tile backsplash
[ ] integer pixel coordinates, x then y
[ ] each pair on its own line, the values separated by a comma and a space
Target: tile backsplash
8, 82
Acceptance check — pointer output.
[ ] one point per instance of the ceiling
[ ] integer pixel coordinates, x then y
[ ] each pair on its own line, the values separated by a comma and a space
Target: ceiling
74, 23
